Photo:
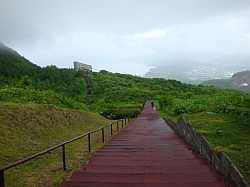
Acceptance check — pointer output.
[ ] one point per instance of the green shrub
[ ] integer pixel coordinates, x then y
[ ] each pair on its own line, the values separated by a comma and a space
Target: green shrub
31, 95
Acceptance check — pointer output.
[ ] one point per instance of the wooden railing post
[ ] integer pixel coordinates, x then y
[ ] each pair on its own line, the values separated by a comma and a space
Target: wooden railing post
103, 140
64, 157
117, 126
111, 129
89, 142
1, 178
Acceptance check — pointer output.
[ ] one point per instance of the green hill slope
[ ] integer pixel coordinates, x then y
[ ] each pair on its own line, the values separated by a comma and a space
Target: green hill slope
13, 65
17, 71
30, 128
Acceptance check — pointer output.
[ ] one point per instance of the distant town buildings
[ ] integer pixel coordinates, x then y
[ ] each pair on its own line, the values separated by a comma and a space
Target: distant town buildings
82, 66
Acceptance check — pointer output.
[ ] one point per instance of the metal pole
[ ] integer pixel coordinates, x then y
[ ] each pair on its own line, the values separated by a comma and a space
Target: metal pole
111, 129
64, 157
89, 142
1, 178
103, 140
117, 126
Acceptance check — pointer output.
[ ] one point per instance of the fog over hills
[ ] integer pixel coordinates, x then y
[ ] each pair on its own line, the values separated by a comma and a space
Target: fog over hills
4, 48
197, 72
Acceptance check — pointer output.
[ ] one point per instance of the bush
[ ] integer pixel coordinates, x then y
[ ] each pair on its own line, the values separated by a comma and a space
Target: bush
30, 95
120, 113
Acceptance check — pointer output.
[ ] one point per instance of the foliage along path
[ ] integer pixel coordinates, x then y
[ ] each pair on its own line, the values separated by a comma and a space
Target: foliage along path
146, 153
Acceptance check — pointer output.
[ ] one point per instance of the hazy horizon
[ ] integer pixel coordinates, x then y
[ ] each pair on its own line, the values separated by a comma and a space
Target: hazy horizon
124, 36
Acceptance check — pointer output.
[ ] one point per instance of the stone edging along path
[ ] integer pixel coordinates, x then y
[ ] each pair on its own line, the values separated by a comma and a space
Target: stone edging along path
198, 142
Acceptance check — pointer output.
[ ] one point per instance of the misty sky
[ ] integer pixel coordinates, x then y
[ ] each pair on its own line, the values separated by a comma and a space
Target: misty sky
124, 36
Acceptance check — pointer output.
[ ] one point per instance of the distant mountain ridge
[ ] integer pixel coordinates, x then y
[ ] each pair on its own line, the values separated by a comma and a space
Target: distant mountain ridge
238, 81
198, 72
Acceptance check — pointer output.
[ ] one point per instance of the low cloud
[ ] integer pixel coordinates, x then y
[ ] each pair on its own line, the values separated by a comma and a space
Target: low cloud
128, 32
153, 34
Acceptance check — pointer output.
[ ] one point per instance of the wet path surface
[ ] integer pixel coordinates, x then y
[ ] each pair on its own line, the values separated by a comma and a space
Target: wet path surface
146, 153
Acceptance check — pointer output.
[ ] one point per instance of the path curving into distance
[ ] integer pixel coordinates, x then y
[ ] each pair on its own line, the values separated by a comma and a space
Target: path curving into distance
147, 153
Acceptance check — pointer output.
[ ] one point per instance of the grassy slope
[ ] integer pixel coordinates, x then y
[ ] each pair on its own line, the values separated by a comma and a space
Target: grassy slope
235, 139
29, 128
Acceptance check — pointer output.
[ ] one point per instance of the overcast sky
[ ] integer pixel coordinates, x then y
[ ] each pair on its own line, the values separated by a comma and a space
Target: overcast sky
124, 35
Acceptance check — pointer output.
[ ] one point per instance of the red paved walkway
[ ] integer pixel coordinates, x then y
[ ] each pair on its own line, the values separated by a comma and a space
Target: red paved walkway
147, 153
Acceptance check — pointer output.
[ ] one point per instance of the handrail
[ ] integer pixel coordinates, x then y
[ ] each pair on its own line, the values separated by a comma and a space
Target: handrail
4, 168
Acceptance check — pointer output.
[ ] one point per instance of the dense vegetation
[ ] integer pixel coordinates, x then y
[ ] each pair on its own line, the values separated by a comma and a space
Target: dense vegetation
67, 88
117, 95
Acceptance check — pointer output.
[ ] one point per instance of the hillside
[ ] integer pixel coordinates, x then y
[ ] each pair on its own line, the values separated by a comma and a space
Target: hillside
112, 92
241, 79
30, 128
13, 65
67, 87
5, 49
52, 123
238, 81
19, 72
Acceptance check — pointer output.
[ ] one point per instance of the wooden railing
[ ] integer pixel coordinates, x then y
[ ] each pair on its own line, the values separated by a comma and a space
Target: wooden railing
122, 122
